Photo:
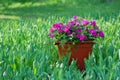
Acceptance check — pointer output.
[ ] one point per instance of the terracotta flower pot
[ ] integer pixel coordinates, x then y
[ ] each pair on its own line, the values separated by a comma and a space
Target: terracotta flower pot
78, 51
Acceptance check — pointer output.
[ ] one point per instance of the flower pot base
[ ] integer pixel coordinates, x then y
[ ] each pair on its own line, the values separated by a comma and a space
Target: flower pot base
78, 52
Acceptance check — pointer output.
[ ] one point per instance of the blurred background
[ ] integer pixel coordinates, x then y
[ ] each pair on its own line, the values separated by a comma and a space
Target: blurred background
15, 9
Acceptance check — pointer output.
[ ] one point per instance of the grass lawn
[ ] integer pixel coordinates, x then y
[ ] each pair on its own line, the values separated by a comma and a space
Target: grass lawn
27, 53
58, 8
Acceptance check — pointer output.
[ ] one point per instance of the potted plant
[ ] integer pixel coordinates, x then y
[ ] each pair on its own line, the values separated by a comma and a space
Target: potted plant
76, 37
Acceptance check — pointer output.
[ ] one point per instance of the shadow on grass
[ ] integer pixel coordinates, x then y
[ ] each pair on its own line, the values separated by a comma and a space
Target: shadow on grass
46, 9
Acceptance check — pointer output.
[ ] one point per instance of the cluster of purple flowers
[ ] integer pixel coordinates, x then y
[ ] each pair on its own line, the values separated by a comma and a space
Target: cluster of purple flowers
77, 28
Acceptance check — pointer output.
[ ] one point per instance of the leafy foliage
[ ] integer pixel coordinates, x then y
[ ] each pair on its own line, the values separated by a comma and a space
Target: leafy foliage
26, 52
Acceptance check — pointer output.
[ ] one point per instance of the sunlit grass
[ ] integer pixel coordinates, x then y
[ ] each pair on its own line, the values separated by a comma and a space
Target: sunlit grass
28, 53
59, 8
8, 17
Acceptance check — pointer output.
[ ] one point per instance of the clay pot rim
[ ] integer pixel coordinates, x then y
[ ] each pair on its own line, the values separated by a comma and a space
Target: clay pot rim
81, 42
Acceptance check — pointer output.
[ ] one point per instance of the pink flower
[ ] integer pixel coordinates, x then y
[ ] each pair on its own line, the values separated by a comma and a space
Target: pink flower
93, 23
77, 23
60, 30
75, 17
76, 29
58, 25
81, 37
69, 33
85, 22
93, 32
52, 29
71, 23
79, 30
101, 34
66, 29
52, 35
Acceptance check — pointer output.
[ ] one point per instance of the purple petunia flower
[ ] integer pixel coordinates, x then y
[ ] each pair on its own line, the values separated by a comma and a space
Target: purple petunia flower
93, 32
66, 29
58, 25
81, 37
60, 30
79, 30
85, 22
52, 35
75, 17
52, 29
93, 23
101, 34
71, 23
69, 33
77, 23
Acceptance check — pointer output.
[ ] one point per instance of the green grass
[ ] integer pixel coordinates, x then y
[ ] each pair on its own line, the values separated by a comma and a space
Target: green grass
27, 53
59, 8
